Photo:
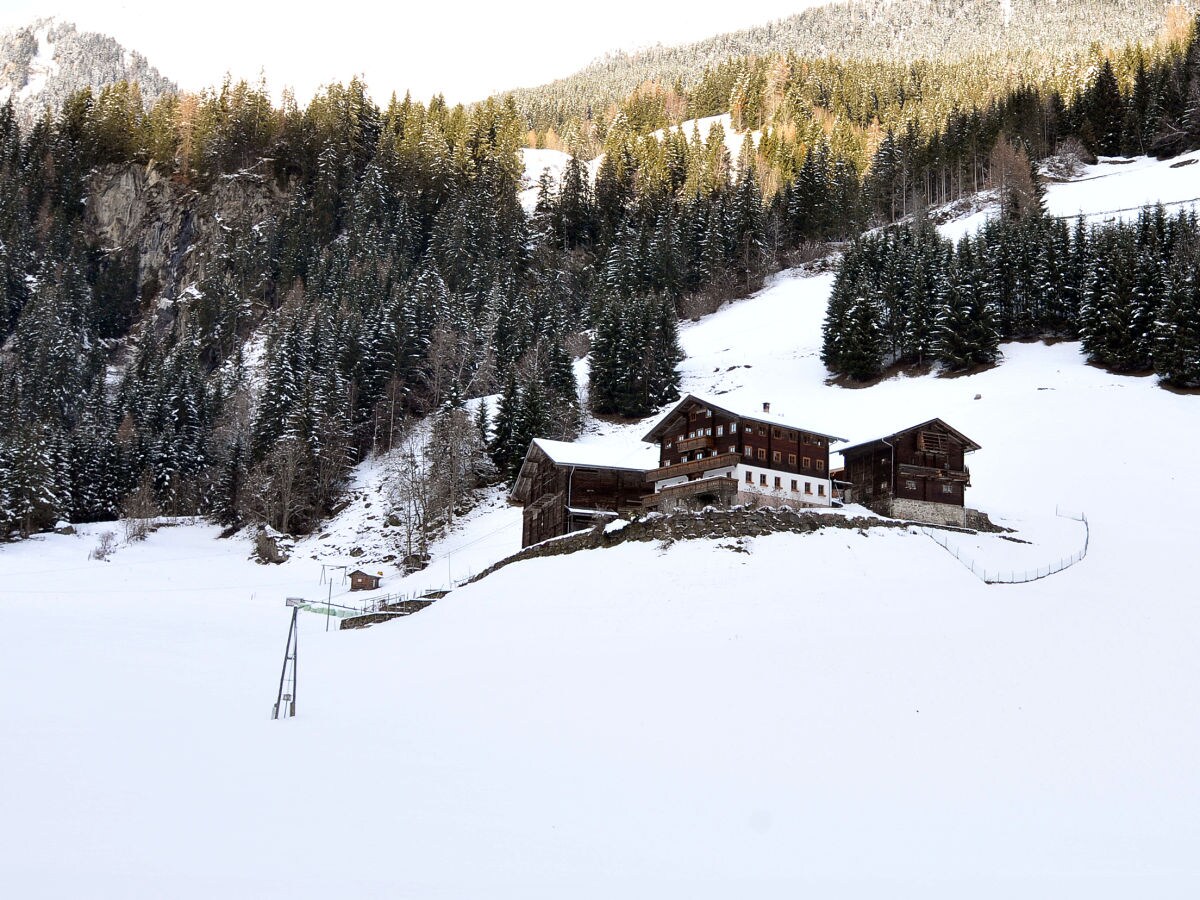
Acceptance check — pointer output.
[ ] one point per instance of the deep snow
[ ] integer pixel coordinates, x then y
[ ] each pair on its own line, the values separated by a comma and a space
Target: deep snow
851, 715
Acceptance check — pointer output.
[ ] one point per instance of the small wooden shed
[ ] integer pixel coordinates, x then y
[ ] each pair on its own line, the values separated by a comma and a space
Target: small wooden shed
364, 581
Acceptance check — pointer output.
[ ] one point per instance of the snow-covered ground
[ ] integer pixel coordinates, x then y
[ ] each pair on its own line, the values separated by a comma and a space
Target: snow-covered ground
1110, 190
537, 161
837, 714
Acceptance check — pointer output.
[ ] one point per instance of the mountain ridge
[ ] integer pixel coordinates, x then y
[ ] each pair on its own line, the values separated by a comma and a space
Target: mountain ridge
45, 62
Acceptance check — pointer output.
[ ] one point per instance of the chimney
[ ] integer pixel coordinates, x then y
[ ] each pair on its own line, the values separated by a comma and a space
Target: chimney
766, 407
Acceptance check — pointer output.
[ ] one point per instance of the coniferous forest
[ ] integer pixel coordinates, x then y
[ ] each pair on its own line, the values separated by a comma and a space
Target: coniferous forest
395, 273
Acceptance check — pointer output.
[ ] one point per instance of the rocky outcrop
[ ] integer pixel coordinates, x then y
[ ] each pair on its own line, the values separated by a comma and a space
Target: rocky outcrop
176, 231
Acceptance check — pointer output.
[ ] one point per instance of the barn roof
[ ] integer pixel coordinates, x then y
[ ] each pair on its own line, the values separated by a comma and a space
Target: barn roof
967, 442
584, 456
660, 429
599, 456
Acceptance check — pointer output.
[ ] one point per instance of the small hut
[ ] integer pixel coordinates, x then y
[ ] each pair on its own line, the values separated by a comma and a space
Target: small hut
364, 581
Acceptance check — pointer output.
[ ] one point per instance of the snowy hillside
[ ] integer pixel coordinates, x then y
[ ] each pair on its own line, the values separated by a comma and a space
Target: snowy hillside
537, 161
1111, 190
854, 714
45, 62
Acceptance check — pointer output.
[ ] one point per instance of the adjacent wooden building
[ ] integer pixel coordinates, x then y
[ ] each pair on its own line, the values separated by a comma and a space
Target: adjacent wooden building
712, 454
917, 473
568, 487
364, 581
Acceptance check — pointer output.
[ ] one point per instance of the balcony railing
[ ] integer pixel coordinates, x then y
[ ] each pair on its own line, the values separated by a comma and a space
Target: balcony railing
704, 442
694, 466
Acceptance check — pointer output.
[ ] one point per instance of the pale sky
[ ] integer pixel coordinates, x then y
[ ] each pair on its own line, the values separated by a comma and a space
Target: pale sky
464, 50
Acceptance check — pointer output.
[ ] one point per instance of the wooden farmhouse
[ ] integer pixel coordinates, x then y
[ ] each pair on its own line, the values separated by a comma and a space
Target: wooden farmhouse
710, 454
363, 581
917, 473
568, 487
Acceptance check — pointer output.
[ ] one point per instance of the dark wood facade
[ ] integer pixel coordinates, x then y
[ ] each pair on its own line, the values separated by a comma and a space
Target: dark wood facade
698, 429
363, 581
699, 437
926, 462
561, 496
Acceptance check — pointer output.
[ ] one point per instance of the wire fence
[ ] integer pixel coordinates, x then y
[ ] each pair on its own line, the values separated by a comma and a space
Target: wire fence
380, 604
1012, 576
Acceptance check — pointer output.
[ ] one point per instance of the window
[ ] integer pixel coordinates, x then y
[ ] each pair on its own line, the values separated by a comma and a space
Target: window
791, 459
749, 478
733, 427
778, 482
947, 489
820, 490
762, 452
750, 452
808, 462
708, 414
681, 437
776, 433
733, 448
776, 456
808, 487
762, 430
720, 430
794, 486
683, 458
762, 479
670, 445
791, 435
691, 434
912, 485
708, 432
820, 465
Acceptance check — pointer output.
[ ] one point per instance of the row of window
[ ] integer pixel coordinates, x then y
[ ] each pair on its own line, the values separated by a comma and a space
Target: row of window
748, 428
777, 456
762, 482
910, 485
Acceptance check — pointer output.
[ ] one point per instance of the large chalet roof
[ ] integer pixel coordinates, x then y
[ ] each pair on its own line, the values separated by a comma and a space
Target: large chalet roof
583, 456
598, 456
660, 429
969, 444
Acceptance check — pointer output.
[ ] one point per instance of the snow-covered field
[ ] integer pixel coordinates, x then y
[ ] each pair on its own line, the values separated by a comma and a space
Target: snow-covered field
1110, 190
836, 714
537, 161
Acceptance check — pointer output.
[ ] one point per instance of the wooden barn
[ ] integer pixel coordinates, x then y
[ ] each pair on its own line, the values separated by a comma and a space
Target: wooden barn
711, 454
917, 473
364, 581
568, 487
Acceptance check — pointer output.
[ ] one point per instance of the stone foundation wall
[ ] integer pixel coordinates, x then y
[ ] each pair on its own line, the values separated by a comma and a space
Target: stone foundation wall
935, 513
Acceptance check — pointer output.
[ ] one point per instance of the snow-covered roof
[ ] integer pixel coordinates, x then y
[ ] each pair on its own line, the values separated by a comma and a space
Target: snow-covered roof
589, 456
770, 418
970, 444
600, 456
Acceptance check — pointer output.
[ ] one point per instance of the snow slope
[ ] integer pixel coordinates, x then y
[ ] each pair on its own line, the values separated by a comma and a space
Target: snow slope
536, 161
1112, 189
838, 714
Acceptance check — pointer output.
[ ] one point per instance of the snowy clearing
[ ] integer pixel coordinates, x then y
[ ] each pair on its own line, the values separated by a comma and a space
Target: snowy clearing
1111, 190
853, 714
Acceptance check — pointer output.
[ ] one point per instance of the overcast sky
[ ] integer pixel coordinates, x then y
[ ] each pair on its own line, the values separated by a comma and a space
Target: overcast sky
464, 50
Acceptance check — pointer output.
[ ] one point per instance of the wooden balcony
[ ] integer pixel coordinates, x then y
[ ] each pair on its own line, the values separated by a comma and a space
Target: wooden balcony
704, 442
695, 467
716, 491
963, 475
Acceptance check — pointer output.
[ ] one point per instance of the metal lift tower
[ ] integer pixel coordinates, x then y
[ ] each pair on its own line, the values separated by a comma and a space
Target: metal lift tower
285, 700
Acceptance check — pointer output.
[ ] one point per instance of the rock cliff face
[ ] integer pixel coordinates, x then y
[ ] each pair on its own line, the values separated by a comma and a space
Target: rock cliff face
178, 232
